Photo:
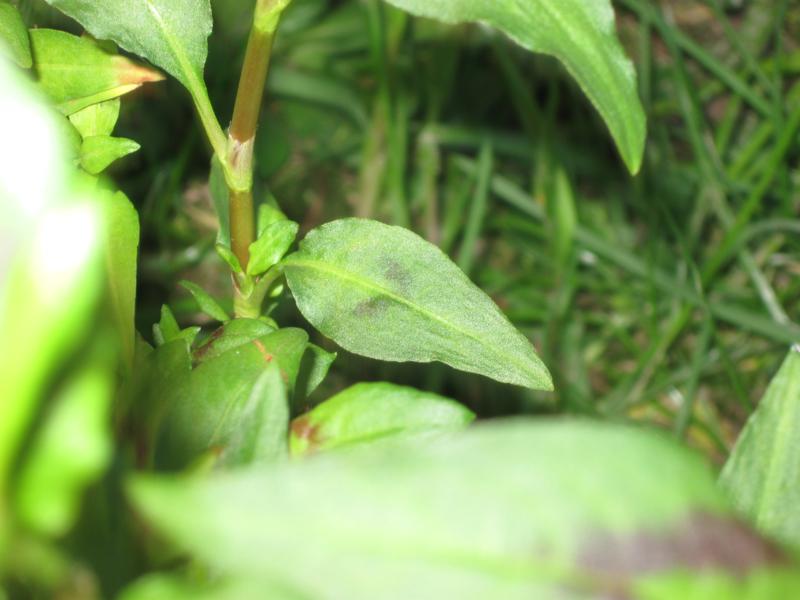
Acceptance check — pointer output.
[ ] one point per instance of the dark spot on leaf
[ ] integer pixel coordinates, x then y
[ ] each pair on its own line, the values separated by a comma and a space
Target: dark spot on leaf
397, 274
372, 308
303, 429
703, 542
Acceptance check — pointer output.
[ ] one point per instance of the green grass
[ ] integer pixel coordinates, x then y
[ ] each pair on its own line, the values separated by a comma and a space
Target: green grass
671, 298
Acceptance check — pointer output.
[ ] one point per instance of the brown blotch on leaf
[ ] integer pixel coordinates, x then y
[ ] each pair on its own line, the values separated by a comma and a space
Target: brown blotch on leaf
199, 353
398, 274
372, 308
303, 429
264, 354
702, 542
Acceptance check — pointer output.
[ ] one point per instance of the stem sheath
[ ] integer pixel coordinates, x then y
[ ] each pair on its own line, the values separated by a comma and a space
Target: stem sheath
242, 131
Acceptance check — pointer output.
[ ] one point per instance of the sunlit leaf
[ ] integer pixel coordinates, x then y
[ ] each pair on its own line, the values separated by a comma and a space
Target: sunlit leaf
72, 449
49, 267
14, 41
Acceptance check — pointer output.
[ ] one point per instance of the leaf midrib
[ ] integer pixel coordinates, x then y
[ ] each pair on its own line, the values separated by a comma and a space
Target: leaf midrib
177, 49
366, 284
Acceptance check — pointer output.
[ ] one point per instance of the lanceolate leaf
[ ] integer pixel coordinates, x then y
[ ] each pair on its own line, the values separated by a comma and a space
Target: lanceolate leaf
369, 412
762, 475
169, 33
206, 303
121, 246
513, 510
580, 33
76, 72
386, 293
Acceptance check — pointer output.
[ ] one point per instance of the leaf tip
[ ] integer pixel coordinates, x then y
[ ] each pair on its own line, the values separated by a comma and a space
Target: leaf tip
130, 73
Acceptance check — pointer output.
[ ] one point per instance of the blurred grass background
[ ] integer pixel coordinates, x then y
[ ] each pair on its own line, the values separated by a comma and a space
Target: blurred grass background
670, 297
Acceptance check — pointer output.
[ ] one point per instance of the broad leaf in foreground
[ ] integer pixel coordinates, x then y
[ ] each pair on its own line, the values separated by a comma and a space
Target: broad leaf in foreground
49, 268
521, 509
762, 475
384, 292
370, 412
579, 33
70, 451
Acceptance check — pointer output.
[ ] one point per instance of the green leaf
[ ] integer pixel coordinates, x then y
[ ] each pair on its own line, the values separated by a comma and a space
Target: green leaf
226, 254
562, 215
158, 586
72, 450
232, 334
579, 33
76, 72
98, 119
155, 375
762, 474
369, 412
386, 293
121, 246
14, 41
233, 403
313, 369
49, 269
206, 303
518, 510
263, 429
99, 151
271, 245
167, 328
171, 34
268, 213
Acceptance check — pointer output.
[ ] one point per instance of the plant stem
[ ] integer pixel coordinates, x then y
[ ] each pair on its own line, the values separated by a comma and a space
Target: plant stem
242, 132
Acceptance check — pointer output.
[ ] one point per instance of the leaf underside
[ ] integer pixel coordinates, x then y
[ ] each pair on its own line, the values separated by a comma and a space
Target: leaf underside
580, 34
